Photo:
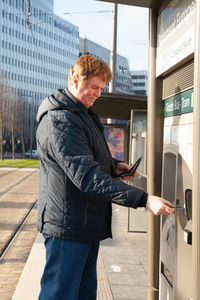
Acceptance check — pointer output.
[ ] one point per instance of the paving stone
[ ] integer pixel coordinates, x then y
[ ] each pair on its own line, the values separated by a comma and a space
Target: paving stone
125, 259
125, 268
132, 279
129, 292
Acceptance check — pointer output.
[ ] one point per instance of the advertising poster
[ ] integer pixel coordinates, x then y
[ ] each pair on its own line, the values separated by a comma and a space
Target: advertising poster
115, 138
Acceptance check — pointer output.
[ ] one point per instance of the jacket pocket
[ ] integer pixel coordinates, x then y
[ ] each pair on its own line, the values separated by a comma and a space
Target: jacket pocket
86, 214
40, 221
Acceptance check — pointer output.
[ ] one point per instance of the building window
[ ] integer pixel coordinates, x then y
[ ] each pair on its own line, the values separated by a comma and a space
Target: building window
138, 84
138, 76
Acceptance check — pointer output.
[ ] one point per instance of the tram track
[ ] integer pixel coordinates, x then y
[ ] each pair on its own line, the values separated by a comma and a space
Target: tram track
7, 189
9, 242
8, 171
18, 213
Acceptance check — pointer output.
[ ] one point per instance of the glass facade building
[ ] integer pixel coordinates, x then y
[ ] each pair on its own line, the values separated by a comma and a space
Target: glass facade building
123, 76
37, 50
139, 82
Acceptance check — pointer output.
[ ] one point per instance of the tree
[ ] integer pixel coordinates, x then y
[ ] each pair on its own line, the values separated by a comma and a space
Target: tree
20, 121
3, 112
16, 120
12, 118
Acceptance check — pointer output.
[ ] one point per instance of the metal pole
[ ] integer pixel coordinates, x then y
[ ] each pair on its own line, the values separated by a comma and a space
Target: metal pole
196, 163
130, 159
131, 138
112, 85
154, 146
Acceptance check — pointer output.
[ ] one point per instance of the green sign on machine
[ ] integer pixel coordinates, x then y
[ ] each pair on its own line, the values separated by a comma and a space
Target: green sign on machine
179, 104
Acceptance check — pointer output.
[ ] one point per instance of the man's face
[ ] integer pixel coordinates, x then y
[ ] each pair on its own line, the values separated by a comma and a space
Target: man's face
92, 89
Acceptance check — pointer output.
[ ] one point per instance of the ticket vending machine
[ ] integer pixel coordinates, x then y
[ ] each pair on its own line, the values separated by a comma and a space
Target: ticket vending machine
176, 230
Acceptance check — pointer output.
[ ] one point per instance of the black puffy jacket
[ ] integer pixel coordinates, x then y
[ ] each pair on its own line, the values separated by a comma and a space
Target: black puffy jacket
76, 184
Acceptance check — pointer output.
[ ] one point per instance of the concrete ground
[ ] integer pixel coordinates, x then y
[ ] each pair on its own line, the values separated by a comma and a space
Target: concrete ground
121, 262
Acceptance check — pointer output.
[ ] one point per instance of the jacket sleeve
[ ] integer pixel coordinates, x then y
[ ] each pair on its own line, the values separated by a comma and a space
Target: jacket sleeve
70, 148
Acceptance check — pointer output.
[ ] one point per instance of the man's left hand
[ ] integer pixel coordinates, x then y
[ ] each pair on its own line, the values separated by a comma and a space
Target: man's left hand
123, 167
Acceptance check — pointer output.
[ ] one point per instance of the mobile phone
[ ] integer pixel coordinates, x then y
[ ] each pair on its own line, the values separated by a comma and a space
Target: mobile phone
132, 170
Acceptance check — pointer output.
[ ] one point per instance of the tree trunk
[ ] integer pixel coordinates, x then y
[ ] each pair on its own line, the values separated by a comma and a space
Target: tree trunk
23, 145
1, 142
13, 143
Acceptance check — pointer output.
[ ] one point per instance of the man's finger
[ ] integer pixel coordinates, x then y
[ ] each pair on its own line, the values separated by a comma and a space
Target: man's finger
168, 203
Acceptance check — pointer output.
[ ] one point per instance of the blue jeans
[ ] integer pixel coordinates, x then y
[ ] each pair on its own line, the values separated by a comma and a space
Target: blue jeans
70, 270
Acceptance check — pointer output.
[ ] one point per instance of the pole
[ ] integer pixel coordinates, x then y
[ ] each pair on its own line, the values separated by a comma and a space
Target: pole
112, 85
154, 146
196, 163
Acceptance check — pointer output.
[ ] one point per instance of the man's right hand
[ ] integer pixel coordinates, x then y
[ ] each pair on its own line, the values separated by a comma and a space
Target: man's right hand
159, 206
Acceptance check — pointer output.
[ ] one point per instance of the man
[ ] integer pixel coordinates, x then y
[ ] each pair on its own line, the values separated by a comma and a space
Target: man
77, 184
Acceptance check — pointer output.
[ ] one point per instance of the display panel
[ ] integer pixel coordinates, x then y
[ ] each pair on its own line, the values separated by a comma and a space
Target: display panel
175, 37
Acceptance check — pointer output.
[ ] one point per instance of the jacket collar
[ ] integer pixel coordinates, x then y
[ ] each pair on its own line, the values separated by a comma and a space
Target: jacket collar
75, 100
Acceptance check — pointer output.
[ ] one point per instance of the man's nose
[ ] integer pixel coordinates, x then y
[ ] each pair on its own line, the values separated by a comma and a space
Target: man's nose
98, 93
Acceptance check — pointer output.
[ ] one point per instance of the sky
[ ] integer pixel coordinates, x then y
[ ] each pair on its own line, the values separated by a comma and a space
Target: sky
132, 27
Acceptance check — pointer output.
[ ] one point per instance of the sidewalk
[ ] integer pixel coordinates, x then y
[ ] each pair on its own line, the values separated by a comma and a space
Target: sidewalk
121, 262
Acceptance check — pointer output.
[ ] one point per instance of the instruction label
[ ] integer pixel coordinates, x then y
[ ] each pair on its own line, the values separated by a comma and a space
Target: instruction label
179, 104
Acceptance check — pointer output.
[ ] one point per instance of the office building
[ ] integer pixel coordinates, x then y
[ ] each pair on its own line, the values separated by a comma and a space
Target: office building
139, 82
37, 50
123, 76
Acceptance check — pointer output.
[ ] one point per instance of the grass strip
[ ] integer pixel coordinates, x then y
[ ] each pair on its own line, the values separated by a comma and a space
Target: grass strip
19, 163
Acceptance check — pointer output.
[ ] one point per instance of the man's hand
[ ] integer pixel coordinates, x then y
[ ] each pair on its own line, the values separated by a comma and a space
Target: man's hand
159, 206
123, 167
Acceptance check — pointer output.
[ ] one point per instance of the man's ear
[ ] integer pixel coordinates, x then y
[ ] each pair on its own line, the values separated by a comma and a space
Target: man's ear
75, 82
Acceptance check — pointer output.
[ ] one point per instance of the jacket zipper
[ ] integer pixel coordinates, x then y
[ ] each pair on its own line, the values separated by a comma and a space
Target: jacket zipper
85, 214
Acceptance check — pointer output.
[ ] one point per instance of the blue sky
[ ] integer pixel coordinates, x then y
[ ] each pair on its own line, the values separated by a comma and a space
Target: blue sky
132, 38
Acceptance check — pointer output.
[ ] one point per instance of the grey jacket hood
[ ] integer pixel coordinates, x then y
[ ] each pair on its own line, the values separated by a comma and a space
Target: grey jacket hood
60, 99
